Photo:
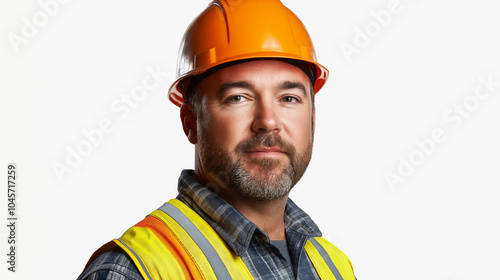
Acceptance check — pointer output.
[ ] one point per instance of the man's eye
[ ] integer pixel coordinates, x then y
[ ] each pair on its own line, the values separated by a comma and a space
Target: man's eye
290, 99
235, 98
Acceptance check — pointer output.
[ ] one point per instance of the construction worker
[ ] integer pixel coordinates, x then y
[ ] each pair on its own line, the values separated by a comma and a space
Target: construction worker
247, 77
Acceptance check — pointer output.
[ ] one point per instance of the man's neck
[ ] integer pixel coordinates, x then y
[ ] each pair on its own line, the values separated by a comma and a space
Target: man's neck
267, 215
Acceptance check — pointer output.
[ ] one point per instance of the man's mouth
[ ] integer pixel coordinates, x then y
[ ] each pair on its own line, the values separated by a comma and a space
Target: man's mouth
266, 151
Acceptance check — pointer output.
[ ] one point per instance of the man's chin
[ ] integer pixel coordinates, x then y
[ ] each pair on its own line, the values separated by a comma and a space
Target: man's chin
270, 174
265, 164
266, 174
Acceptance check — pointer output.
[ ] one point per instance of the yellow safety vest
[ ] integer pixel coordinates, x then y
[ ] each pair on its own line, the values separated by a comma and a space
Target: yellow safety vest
174, 242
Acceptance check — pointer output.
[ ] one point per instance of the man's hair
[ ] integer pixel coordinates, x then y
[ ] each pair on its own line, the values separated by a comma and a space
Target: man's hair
192, 94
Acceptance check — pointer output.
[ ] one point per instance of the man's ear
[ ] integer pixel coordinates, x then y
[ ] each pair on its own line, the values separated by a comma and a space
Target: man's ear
188, 119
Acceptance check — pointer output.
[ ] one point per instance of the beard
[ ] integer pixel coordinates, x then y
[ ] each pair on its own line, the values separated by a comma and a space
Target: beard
275, 177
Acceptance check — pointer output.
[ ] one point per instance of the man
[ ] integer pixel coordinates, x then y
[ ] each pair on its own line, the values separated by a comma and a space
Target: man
247, 76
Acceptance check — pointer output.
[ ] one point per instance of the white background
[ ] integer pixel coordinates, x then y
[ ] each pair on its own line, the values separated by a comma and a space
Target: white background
441, 223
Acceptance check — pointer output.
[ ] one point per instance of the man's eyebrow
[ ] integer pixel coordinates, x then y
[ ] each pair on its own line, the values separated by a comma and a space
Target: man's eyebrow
248, 85
292, 85
235, 84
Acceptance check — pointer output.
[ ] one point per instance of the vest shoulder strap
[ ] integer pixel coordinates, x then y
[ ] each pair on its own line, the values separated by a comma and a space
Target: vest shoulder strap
328, 260
174, 242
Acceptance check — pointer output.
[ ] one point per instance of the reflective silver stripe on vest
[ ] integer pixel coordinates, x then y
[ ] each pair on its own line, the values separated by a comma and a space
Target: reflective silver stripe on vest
137, 258
212, 256
327, 259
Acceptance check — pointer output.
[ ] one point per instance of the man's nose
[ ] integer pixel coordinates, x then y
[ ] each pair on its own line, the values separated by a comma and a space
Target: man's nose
266, 117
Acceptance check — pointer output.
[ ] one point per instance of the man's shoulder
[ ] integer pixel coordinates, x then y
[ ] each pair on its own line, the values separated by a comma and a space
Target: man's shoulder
114, 264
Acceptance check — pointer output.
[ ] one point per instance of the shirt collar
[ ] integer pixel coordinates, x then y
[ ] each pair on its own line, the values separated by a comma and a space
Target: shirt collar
229, 223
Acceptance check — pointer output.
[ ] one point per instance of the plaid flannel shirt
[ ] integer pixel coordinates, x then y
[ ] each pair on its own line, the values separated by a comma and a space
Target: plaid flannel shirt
246, 240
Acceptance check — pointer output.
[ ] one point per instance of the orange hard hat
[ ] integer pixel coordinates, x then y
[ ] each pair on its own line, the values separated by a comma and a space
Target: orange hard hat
233, 30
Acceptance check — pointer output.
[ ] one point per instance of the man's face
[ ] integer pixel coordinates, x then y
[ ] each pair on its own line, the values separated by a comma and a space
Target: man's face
255, 128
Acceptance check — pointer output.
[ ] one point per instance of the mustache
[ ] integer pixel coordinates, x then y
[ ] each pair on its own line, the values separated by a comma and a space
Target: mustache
265, 140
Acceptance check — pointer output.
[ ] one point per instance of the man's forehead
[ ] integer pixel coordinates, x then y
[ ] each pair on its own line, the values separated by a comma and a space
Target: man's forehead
259, 70
306, 68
